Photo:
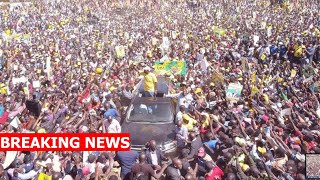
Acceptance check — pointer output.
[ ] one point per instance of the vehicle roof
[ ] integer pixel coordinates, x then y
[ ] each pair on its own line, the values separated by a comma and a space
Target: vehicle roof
139, 100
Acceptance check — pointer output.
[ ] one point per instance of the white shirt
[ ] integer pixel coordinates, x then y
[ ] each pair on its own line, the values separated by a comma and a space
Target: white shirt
154, 158
179, 116
185, 100
31, 174
113, 127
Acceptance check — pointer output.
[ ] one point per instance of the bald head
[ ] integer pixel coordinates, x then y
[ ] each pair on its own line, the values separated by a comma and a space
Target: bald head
177, 163
142, 158
189, 177
192, 136
153, 145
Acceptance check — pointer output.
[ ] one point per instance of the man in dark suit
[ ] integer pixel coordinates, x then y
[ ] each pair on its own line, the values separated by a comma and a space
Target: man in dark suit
173, 171
154, 155
195, 144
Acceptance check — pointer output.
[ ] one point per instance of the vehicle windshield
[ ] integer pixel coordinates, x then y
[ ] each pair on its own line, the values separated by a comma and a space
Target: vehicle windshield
150, 112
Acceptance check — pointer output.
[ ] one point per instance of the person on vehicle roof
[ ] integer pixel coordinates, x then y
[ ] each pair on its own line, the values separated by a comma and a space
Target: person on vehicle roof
150, 82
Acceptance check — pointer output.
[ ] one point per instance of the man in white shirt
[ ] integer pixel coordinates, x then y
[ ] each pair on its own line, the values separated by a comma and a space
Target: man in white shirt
180, 113
184, 98
112, 125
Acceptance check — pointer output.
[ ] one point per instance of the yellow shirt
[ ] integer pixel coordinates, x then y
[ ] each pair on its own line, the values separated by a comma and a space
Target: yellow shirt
190, 123
43, 176
206, 123
149, 80
3, 89
298, 50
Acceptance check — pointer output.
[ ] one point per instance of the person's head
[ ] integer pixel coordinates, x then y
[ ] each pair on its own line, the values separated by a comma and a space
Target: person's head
65, 154
182, 108
56, 176
201, 152
184, 153
189, 176
292, 169
113, 177
227, 156
279, 153
179, 124
152, 145
91, 158
177, 163
192, 136
109, 119
146, 70
107, 105
231, 176
27, 159
142, 158
36, 165
209, 136
76, 157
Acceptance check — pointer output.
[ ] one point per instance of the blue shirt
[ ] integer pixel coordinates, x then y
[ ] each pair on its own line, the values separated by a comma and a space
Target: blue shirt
1, 110
274, 50
126, 161
111, 112
283, 50
211, 144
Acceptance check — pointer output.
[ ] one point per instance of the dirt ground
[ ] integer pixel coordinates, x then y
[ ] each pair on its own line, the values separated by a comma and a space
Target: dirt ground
312, 166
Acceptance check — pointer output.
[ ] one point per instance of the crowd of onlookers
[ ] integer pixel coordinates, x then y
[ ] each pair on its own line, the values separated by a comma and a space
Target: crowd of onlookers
72, 66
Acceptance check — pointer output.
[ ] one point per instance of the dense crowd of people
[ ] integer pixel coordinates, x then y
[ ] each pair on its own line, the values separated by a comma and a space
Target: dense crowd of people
72, 66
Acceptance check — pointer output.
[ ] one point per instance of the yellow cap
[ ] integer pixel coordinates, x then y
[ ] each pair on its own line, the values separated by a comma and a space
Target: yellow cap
198, 90
99, 70
112, 88
262, 150
41, 130
244, 167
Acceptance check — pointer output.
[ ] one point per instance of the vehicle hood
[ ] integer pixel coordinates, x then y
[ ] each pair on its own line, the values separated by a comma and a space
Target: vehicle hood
141, 133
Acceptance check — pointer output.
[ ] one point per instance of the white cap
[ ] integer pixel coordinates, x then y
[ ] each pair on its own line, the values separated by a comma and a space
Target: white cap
85, 129
147, 68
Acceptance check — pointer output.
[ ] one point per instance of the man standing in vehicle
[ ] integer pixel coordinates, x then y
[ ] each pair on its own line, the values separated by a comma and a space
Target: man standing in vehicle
150, 83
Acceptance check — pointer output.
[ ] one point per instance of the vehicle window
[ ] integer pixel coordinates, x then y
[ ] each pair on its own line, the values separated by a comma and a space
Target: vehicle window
150, 112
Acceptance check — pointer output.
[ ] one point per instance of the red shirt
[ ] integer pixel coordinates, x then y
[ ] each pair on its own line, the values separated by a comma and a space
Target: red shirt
216, 174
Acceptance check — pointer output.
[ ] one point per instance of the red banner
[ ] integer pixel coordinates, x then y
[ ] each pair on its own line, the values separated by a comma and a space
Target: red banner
64, 142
